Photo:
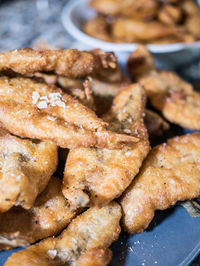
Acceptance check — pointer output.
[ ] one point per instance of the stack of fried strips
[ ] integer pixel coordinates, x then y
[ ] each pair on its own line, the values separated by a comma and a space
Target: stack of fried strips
83, 104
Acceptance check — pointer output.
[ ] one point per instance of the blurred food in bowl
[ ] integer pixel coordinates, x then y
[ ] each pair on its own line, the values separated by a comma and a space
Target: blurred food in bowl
145, 21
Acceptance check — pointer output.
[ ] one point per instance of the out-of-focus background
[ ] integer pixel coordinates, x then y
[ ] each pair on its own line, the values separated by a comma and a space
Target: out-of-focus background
24, 22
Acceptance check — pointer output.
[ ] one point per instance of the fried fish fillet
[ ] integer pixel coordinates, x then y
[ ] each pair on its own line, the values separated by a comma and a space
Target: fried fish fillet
98, 28
170, 14
130, 8
170, 173
175, 98
140, 63
86, 241
132, 30
70, 63
25, 169
79, 89
49, 215
192, 13
37, 110
94, 177
104, 92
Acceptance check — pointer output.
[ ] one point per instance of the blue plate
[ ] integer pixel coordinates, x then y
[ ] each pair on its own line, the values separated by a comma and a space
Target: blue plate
173, 238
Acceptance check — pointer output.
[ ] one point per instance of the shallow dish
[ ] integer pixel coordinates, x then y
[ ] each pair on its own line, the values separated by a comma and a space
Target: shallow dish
74, 15
172, 239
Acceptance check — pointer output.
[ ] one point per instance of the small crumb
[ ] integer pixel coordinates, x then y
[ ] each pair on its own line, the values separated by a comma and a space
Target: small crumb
127, 131
128, 153
51, 118
42, 105
52, 253
35, 97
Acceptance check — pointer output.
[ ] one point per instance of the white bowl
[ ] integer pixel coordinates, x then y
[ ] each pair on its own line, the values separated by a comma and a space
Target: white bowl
77, 12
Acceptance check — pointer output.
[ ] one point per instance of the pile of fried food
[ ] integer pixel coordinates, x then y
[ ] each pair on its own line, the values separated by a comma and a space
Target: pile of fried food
145, 21
83, 104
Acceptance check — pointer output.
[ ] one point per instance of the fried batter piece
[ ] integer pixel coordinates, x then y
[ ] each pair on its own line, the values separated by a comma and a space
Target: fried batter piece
140, 63
25, 169
104, 92
79, 89
169, 94
98, 28
170, 173
169, 14
174, 98
49, 215
155, 124
94, 177
86, 241
37, 110
142, 9
131, 30
70, 63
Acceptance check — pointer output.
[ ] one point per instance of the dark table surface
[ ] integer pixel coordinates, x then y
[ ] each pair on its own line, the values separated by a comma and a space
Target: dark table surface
24, 22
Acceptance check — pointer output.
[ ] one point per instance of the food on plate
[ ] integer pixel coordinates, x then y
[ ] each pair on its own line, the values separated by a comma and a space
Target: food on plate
140, 63
98, 28
104, 92
145, 21
175, 98
94, 177
86, 241
25, 169
131, 30
70, 63
83, 103
37, 110
49, 215
143, 9
155, 124
170, 173
170, 15
78, 89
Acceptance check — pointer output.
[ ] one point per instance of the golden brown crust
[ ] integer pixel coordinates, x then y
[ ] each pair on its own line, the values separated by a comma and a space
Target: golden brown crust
25, 169
130, 8
37, 110
98, 28
70, 63
174, 98
79, 89
96, 257
90, 234
97, 176
145, 21
131, 30
168, 93
140, 63
170, 173
49, 215
104, 92
170, 15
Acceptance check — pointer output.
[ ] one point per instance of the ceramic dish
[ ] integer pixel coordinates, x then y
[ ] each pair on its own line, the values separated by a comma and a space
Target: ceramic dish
74, 15
172, 239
